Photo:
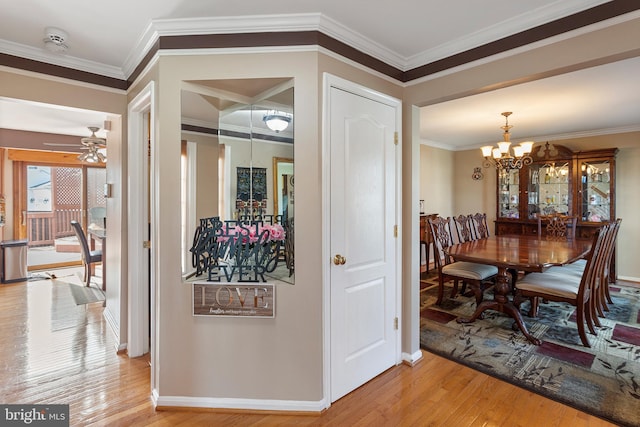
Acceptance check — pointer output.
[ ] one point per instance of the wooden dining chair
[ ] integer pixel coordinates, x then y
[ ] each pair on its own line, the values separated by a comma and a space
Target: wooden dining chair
601, 283
566, 287
89, 257
607, 268
478, 276
464, 228
601, 295
480, 227
557, 226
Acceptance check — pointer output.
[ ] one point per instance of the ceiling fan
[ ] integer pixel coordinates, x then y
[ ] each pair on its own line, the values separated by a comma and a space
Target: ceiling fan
86, 141
93, 140
94, 146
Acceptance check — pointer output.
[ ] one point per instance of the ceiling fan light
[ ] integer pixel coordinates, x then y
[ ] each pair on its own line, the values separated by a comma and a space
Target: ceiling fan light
93, 154
276, 121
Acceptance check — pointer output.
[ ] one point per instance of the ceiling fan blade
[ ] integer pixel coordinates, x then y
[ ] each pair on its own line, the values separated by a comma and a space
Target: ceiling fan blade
56, 144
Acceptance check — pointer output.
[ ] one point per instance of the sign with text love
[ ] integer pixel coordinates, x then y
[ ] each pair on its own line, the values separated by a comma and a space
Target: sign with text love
233, 299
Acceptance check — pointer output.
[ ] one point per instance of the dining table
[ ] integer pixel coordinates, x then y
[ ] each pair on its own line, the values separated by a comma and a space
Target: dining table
513, 253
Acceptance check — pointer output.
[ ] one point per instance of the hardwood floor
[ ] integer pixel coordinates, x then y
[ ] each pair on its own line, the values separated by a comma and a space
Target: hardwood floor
52, 351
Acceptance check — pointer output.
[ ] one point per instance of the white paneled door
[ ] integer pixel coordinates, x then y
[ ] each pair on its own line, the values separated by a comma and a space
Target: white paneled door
364, 247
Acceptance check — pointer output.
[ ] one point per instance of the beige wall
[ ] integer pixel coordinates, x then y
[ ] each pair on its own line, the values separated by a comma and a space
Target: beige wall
627, 208
437, 180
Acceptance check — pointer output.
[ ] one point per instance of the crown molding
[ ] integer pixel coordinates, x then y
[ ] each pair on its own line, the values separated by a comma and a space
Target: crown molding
587, 133
539, 138
500, 30
256, 24
41, 55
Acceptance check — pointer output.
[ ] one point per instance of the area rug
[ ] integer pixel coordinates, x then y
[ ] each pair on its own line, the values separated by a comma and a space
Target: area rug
603, 380
85, 294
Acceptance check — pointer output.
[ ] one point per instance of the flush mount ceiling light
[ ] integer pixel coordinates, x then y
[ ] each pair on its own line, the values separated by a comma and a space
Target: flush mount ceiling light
95, 147
55, 40
500, 157
277, 121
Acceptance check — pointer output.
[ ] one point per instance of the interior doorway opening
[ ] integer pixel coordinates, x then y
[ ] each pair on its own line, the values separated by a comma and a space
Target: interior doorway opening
50, 197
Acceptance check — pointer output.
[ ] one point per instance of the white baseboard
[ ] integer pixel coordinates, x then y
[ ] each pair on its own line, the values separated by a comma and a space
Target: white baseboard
113, 325
630, 279
240, 404
411, 359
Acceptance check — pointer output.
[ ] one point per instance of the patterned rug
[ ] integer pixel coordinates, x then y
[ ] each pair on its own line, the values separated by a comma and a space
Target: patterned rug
603, 380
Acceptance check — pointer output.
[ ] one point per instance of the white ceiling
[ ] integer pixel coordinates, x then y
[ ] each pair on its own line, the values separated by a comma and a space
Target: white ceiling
111, 38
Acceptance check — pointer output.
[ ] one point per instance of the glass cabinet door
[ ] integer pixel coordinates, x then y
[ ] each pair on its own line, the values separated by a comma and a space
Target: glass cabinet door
509, 196
595, 191
548, 190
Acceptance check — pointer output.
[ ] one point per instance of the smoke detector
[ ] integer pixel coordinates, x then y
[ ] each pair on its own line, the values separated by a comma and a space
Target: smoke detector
55, 40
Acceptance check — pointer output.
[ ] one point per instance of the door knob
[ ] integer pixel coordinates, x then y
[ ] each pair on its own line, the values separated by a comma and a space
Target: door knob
339, 260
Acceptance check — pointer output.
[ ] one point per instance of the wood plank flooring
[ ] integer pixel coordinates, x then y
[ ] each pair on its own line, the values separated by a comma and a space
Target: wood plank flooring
52, 351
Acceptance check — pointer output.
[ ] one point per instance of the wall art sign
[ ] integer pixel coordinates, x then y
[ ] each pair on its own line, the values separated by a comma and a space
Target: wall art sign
233, 299
242, 251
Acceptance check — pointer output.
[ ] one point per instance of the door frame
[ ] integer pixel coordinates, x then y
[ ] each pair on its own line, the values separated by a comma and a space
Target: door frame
141, 116
332, 81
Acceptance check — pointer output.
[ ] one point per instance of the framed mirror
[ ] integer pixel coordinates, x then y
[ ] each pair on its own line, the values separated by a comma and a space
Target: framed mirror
249, 170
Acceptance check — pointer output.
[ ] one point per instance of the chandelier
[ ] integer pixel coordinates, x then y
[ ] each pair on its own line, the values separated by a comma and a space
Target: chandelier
500, 156
276, 121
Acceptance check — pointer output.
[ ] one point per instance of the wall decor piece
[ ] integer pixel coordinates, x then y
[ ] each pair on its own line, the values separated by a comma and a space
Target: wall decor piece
477, 174
242, 251
252, 181
252, 191
233, 300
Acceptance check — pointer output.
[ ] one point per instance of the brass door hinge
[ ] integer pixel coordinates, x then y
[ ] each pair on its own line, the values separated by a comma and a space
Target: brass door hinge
395, 231
395, 138
395, 323
146, 244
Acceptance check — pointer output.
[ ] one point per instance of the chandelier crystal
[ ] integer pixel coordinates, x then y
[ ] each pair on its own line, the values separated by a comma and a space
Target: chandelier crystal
501, 157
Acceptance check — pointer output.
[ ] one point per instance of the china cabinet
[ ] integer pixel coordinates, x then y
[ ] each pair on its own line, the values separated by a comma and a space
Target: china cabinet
558, 180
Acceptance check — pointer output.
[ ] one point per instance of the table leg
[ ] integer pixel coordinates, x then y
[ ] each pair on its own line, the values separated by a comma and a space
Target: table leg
501, 303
